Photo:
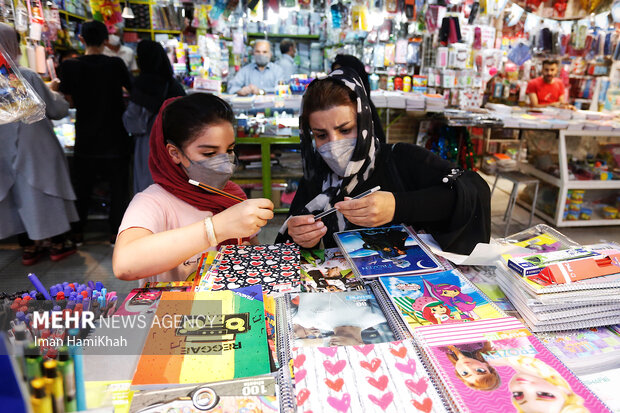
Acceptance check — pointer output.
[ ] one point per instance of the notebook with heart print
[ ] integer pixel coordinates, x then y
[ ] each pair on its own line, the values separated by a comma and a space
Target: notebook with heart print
275, 267
386, 377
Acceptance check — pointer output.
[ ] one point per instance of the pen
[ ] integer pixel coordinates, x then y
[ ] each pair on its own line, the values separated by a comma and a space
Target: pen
215, 190
362, 195
40, 288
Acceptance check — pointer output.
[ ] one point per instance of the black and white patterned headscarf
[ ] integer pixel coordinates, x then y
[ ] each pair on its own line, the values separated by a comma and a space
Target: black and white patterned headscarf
333, 188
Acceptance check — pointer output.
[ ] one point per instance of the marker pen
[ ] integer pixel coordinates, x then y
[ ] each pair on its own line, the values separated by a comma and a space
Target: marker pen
32, 360
53, 385
66, 368
40, 401
40, 288
80, 390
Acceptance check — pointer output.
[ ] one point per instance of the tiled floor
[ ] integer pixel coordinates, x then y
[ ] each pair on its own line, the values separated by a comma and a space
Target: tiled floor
94, 259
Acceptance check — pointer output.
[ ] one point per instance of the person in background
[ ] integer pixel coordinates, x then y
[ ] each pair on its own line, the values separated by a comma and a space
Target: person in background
151, 88
94, 84
352, 62
114, 48
342, 158
36, 196
258, 77
287, 60
547, 90
173, 221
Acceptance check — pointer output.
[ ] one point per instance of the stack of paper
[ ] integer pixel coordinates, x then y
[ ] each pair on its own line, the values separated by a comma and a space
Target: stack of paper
379, 99
415, 101
434, 103
396, 100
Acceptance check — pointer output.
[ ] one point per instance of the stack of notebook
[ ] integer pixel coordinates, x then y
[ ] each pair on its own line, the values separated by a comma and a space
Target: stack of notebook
548, 306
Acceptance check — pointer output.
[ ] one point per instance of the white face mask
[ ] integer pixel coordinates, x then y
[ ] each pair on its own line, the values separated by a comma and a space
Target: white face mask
114, 40
338, 154
214, 171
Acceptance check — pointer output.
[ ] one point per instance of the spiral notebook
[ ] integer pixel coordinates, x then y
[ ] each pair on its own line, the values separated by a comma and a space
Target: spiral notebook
275, 267
499, 366
201, 337
439, 298
386, 377
393, 250
327, 270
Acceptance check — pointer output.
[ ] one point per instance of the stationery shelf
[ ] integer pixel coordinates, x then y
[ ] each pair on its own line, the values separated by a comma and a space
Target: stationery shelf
285, 36
265, 175
564, 184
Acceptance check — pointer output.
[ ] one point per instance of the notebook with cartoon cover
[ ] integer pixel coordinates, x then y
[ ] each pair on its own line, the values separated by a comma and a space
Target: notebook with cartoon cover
393, 250
439, 298
200, 337
327, 270
275, 267
499, 366
337, 319
386, 377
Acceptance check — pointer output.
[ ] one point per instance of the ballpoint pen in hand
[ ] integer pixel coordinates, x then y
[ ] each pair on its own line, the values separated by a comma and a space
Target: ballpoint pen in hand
362, 195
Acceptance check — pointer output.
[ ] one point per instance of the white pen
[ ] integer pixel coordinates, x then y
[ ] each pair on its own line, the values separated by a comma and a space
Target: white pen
362, 195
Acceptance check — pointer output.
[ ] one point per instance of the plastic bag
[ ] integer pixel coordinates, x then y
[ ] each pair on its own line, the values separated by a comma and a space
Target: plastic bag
18, 100
519, 54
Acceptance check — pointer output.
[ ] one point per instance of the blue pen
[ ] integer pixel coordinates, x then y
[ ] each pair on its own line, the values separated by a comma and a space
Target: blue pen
40, 288
86, 304
104, 292
101, 301
53, 290
99, 285
90, 291
91, 285
78, 366
79, 298
65, 284
67, 290
71, 304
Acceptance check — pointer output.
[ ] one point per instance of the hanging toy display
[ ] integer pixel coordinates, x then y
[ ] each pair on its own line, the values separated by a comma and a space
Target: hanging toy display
106, 11
560, 7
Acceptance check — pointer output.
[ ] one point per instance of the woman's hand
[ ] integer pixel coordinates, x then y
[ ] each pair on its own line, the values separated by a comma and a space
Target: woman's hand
305, 231
242, 220
371, 211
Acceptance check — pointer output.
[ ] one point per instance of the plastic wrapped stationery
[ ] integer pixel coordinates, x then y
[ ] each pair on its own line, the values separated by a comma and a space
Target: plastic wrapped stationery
393, 250
499, 366
18, 100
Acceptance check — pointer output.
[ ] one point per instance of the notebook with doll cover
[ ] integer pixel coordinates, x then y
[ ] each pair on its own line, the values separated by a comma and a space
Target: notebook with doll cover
327, 270
203, 337
393, 250
386, 377
499, 366
275, 267
445, 297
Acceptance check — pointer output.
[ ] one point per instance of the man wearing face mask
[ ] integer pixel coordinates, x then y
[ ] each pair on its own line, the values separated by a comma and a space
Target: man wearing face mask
114, 48
258, 77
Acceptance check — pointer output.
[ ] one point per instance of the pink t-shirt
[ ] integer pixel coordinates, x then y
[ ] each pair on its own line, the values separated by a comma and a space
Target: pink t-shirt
158, 210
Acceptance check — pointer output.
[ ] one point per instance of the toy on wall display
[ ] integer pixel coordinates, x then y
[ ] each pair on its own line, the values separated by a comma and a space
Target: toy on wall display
106, 11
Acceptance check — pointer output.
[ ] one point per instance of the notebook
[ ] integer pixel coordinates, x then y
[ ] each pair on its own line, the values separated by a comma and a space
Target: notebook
393, 250
387, 377
327, 270
202, 337
499, 366
275, 267
144, 300
337, 319
256, 395
439, 298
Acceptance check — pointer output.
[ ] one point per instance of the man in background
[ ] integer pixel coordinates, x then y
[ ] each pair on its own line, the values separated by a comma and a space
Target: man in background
547, 90
94, 84
258, 77
114, 48
287, 60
